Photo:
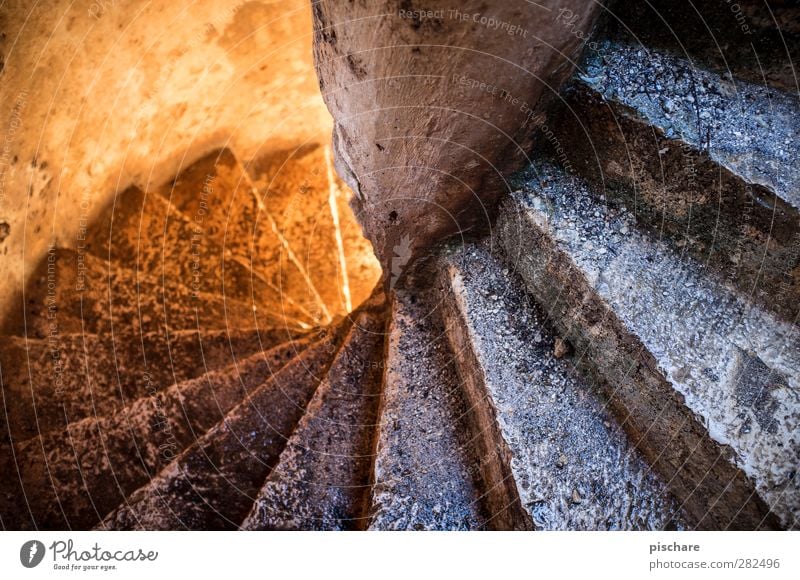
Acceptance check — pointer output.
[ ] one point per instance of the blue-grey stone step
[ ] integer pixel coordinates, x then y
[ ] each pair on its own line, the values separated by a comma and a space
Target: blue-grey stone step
753, 40
554, 456
712, 162
706, 383
751, 130
426, 471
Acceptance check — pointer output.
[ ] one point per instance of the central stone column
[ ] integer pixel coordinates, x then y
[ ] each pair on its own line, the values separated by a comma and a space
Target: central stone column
435, 103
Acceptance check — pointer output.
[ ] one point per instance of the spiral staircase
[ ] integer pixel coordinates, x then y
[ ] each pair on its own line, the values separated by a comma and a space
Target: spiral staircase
619, 349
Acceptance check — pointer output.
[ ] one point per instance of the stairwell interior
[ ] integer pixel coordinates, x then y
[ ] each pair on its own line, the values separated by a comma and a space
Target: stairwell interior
197, 335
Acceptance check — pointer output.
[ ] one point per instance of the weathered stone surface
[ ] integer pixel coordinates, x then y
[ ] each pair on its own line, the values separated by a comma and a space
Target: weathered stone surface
706, 383
48, 384
569, 463
322, 479
15, 512
748, 129
746, 232
75, 477
433, 103
143, 232
754, 40
426, 471
218, 198
709, 159
212, 485
308, 203
77, 293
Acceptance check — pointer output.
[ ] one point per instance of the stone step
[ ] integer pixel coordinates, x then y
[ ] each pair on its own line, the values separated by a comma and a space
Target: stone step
218, 198
553, 456
213, 484
426, 471
322, 479
711, 162
145, 233
51, 383
309, 204
705, 383
752, 40
73, 478
746, 128
77, 293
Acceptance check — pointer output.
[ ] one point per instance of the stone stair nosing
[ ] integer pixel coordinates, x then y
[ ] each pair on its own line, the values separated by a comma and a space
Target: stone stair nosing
213, 483
217, 196
705, 383
426, 471
75, 477
322, 478
147, 234
48, 385
752, 40
78, 293
561, 462
711, 162
303, 238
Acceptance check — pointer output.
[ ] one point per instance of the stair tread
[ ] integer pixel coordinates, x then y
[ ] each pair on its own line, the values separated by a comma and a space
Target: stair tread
303, 191
753, 40
425, 468
748, 129
146, 233
118, 453
51, 383
322, 478
735, 365
219, 196
628, 148
83, 293
213, 483
572, 466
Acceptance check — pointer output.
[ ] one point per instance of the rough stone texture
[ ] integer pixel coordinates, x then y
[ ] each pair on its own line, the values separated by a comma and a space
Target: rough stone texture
322, 479
97, 96
302, 191
217, 196
77, 293
750, 130
754, 40
433, 103
744, 233
75, 477
654, 323
430, 139
571, 465
213, 484
145, 233
14, 509
48, 384
709, 162
426, 472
